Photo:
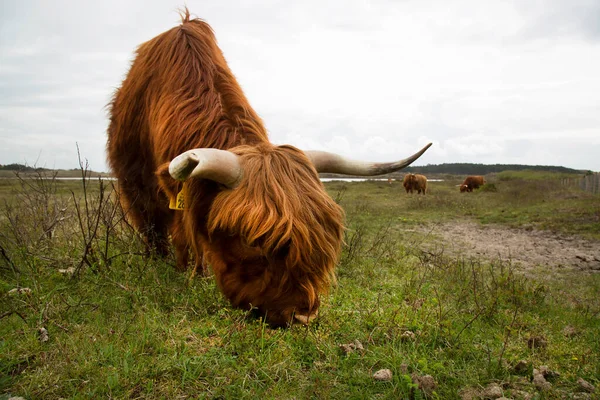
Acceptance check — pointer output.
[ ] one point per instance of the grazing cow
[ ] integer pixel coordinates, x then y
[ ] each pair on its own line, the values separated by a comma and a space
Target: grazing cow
415, 182
194, 163
472, 182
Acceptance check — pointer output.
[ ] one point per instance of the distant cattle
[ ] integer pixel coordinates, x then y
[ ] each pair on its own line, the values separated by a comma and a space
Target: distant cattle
472, 182
195, 168
415, 182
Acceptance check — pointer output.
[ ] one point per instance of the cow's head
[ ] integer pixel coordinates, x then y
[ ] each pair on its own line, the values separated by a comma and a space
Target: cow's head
272, 234
464, 188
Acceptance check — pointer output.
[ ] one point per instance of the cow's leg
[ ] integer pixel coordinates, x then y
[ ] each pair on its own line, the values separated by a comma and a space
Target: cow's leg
182, 255
157, 238
147, 216
200, 262
182, 249
199, 266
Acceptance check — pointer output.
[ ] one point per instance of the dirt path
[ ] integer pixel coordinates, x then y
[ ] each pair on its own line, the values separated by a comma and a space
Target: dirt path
528, 248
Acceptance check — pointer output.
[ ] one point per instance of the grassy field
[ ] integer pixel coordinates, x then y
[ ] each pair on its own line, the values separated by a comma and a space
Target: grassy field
101, 320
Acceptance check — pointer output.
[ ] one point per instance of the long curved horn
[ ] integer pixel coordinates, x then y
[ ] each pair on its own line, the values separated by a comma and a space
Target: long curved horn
334, 163
217, 165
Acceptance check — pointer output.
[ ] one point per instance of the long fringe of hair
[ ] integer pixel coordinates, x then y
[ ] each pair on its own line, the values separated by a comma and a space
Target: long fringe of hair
282, 207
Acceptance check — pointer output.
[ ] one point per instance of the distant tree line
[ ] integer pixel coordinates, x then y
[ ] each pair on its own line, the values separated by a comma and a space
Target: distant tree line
27, 168
21, 168
484, 169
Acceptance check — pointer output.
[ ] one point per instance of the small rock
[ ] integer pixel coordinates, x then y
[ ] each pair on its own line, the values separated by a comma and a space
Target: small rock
548, 373
521, 367
23, 290
407, 335
582, 396
347, 348
492, 391
383, 375
469, 394
351, 347
537, 342
521, 395
43, 335
426, 383
570, 331
585, 386
67, 271
539, 381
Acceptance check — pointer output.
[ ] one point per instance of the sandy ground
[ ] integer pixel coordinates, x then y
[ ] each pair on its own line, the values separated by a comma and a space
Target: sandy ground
529, 249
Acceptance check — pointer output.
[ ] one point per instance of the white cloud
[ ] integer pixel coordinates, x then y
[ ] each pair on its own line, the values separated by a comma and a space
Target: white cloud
474, 146
506, 82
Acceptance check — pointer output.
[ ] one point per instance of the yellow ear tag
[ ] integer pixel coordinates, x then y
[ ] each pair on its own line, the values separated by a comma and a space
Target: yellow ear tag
178, 202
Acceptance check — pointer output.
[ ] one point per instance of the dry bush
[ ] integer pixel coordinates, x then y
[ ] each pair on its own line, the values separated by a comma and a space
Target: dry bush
49, 223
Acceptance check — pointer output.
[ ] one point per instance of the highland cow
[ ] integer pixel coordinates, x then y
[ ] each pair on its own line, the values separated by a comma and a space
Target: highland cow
194, 164
472, 182
415, 182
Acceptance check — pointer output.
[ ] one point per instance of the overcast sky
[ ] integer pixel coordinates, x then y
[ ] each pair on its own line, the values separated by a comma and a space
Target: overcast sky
485, 81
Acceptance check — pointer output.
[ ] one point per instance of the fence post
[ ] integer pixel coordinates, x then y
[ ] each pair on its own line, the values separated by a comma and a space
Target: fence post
590, 183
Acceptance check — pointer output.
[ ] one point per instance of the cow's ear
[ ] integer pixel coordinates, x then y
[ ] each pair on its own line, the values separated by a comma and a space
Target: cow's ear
166, 182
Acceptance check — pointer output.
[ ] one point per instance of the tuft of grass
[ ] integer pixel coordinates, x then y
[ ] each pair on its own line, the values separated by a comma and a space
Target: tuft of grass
488, 187
124, 324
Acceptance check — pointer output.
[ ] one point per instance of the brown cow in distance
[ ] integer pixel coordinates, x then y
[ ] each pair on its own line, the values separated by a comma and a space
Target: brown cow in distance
182, 132
415, 182
472, 182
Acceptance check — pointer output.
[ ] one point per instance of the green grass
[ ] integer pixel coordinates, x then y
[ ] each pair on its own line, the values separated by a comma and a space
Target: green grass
536, 203
128, 326
531, 175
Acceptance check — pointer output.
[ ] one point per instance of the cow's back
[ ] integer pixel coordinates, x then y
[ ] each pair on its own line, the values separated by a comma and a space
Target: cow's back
179, 94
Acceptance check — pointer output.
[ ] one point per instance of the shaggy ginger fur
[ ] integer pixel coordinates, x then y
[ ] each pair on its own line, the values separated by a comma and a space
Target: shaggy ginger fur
416, 182
274, 240
472, 182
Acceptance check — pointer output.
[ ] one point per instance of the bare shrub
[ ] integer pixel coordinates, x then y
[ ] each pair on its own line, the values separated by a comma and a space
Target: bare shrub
49, 223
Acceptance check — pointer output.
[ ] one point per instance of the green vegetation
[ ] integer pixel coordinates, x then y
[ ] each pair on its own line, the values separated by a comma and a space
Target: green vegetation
484, 169
124, 325
533, 175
